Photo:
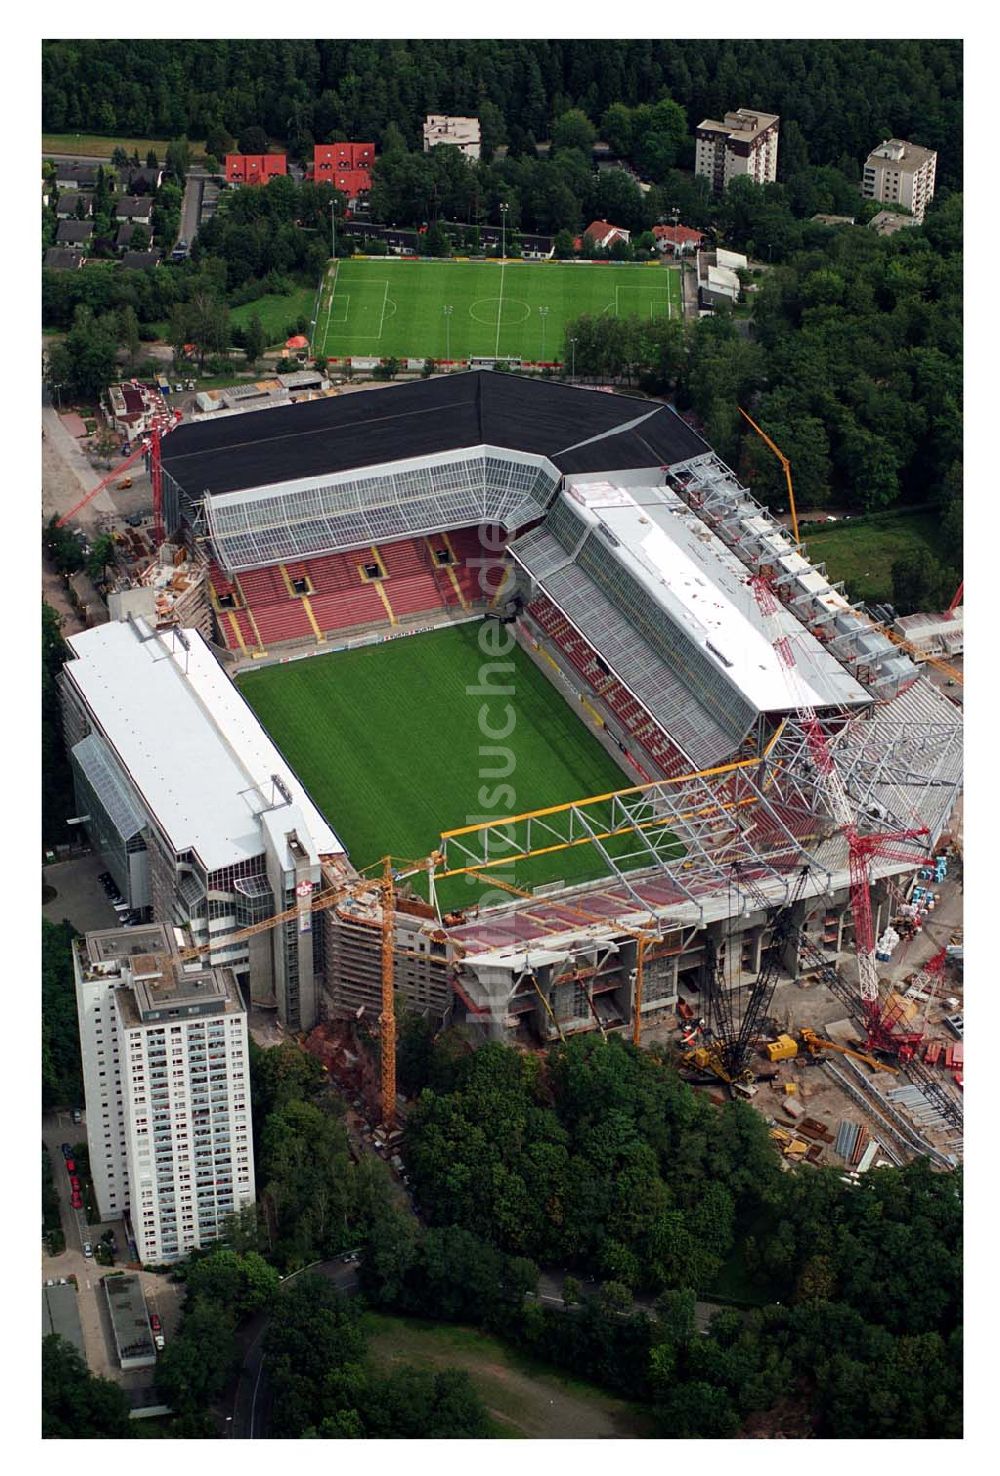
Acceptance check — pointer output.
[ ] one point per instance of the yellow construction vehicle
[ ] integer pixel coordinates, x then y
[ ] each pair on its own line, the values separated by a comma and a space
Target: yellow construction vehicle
782, 1049
816, 1045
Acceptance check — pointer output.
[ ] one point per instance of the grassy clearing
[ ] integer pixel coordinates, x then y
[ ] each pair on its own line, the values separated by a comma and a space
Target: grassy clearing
526, 1400
94, 146
277, 311
513, 309
389, 741
862, 554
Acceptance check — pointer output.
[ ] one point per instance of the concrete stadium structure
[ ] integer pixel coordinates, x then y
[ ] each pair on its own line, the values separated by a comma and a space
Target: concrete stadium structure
628, 557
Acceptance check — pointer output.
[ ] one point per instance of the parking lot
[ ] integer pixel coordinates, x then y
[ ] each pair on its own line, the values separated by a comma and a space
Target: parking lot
79, 894
163, 1296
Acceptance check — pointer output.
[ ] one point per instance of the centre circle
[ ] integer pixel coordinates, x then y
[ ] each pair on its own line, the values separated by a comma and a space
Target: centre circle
502, 304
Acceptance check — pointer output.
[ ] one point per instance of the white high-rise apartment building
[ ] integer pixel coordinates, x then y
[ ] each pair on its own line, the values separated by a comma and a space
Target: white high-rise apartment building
900, 173
745, 142
167, 1081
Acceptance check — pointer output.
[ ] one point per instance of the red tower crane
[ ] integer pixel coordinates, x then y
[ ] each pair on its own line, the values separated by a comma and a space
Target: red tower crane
863, 849
150, 444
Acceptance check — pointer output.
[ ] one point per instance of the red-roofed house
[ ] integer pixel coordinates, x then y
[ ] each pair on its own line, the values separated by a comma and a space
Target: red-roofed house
602, 236
254, 168
679, 239
347, 166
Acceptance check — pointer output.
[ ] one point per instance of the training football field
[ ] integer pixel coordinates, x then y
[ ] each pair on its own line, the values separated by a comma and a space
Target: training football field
415, 308
392, 742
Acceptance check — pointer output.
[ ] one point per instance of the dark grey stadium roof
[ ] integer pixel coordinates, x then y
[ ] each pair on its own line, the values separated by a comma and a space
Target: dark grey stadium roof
580, 430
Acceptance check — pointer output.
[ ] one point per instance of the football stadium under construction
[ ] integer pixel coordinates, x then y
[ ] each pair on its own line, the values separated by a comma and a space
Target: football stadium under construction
785, 767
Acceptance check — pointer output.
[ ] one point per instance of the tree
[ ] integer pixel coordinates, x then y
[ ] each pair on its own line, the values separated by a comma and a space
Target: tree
570, 1291
563, 244
573, 130
83, 364
242, 1283
102, 553
128, 330
178, 159
253, 339
76, 1405
152, 162
218, 140
62, 1071
920, 583
195, 1365
253, 140
119, 158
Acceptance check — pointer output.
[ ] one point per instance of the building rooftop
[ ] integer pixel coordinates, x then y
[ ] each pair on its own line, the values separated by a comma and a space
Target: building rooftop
61, 1315
444, 128
742, 123
129, 1321
114, 946
197, 754
579, 430
702, 587
62, 258
907, 156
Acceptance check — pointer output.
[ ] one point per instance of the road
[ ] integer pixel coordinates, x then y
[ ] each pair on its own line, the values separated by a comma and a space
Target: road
191, 208
162, 1295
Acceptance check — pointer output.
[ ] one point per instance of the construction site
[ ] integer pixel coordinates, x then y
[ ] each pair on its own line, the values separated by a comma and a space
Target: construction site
775, 888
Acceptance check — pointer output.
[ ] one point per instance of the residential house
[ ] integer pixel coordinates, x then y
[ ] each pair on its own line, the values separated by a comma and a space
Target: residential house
62, 259
140, 181
602, 235
74, 232
75, 176
254, 169
138, 261
136, 208
70, 202
461, 133
718, 279
679, 240
347, 166
124, 235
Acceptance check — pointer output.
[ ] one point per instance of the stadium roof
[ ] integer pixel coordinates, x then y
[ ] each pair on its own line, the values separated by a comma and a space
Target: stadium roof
195, 751
703, 588
579, 430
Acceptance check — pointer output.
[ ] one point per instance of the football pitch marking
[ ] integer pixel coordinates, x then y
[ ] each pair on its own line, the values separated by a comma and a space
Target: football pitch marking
496, 351
655, 299
491, 319
345, 299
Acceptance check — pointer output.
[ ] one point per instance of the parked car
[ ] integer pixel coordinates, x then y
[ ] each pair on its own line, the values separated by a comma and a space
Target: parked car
154, 1321
77, 1115
76, 1201
66, 1150
88, 1249
71, 1165
159, 1341
74, 1183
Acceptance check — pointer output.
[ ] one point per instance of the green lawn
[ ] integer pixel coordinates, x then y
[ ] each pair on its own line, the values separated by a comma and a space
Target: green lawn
95, 146
526, 1400
387, 740
862, 554
276, 312
396, 307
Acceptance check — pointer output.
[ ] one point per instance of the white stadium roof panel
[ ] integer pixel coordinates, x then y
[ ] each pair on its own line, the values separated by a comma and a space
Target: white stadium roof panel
194, 749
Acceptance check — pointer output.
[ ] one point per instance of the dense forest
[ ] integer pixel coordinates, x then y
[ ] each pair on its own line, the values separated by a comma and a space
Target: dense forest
598, 1158
844, 96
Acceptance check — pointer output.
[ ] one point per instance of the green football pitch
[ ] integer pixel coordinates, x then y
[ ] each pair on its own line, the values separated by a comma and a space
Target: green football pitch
392, 742
405, 308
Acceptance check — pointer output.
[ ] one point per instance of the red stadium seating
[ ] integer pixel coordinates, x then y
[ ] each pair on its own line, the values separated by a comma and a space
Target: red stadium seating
629, 712
415, 583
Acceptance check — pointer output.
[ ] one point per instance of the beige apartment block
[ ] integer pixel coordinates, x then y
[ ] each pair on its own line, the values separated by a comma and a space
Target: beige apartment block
900, 173
462, 133
745, 142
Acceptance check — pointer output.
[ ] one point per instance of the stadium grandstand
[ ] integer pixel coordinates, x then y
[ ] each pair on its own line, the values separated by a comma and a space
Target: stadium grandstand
626, 559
